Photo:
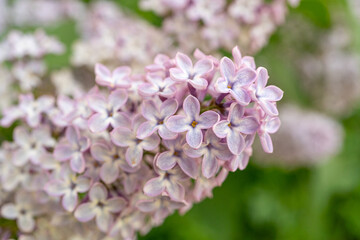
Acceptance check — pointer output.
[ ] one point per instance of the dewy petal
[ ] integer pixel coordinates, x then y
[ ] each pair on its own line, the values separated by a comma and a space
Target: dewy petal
208, 119
176, 191
273, 125
266, 143
235, 142
104, 220
240, 95
98, 122
146, 129
191, 106
118, 98
178, 124
227, 69
84, 212
77, 163
9, 211
121, 136
63, 152
183, 62
166, 160
109, 172
245, 76
194, 137
189, 166
271, 93
248, 125
98, 192
221, 85
168, 107
262, 78
116, 204
154, 187
26, 223
70, 200
149, 110
203, 66
134, 155
209, 165
222, 129
103, 75
199, 83
100, 152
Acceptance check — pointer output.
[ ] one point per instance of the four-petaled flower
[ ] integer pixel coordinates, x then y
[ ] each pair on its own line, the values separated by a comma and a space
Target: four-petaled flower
156, 118
233, 128
266, 96
126, 137
268, 125
157, 85
186, 72
107, 111
100, 207
212, 151
192, 122
175, 154
235, 81
120, 77
68, 185
73, 149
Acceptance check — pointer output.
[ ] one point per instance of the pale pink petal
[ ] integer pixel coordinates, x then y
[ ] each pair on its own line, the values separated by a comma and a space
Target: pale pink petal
118, 98
176, 191
240, 95
21, 136
77, 163
271, 93
72, 135
178, 75
121, 136
222, 129
249, 61
149, 110
189, 166
134, 155
147, 89
178, 124
184, 62
9, 211
248, 125
26, 223
154, 187
168, 107
191, 106
55, 188
236, 113
208, 119
203, 66
104, 220
150, 143
221, 85
82, 184
166, 160
146, 129
269, 107
109, 172
120, 119
98, 122
121, 76
98, 192
266, 143
245, 76
20, 157
165, 133
103, 75
116, 204
199, 83
70, 200
273, 125
237, 56
243, 161
235, 142
63, 152
84, 212
262, 78
97, 103
227, 69
194, 137
100, 152
209, 165
147, 205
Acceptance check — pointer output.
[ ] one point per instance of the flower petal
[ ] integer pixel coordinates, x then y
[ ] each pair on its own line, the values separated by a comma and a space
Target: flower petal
109, 172
203, 66
248, 125
149, 110
104, 220
100, 152
221, 85
240, 95
194, 137
166, 160
70, 200
262, 78
178, 124
98, 122
235, 142
266, 143
121, 136
227, 69
154, 187
146, 129
176, 191
118, 98
191, 106
63, 152
189, 166
222, 129
245, 76
26, 223
116, 204
98, 192
77, 163
208, 119
103, 75
84, 212
183, 62
271, 93
168, 107
209, 165
199, 83
9, 211
134, 155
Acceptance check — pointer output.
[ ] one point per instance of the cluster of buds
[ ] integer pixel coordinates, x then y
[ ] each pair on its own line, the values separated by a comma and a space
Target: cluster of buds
135, 148
248, 23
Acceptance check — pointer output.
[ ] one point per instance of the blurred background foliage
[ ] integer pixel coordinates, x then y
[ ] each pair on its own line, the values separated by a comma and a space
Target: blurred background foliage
319, 202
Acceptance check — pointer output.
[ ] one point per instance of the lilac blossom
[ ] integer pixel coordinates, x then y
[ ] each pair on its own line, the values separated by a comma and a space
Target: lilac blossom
120, 77
156, 118
192, 74
107, 111
157, 85
233, 128
100, 207
126, 137
73, 149
192, 122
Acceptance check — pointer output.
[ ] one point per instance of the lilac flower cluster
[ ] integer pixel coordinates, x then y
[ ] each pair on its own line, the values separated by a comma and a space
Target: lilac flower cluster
135, 148
248, 23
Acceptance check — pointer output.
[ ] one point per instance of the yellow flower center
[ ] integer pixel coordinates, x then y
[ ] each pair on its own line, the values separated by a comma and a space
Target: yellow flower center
194, 123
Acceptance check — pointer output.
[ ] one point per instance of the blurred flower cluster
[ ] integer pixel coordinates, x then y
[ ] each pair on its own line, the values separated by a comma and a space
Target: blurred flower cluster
220, 24
133, 149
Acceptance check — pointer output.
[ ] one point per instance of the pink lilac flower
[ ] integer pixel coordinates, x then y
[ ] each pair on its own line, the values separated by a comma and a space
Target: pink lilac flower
233, 128
235, 81
241, 161
157, 85
192, 122
107, 111
126, 137
120, 77
73, 149
268, 125
175, 154
68, 186
100, 207
192, 74
266, 96
31, 146
156, 117
212, 151
168, 182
